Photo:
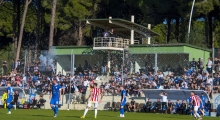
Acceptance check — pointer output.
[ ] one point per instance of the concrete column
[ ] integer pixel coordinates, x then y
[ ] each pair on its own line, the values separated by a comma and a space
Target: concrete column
155, 66
132, 31
109, 63
149, 37
73, 64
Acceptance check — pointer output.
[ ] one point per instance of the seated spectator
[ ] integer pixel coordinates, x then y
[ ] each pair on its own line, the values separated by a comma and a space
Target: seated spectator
147, 106
157, 106
40, 102
176, 107
208, 106
182, 107
132, 105
169, 106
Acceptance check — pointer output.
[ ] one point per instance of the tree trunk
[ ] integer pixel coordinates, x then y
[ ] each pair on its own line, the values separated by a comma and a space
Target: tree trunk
14, 38
53, 14
207, 30
168, 30
18, 23
80, 41
38, 28
177, 29
22, 29
183, 30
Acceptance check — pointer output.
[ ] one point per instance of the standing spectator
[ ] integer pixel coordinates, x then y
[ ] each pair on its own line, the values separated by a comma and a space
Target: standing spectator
5, 67
164, 100
200, 65
103, 70
17, 65
12, 65
209, 66
16, 96
106, 34
193, 64
4, 98
216, 65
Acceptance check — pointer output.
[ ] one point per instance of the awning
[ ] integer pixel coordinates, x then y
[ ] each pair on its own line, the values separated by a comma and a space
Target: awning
172, 94
121, 26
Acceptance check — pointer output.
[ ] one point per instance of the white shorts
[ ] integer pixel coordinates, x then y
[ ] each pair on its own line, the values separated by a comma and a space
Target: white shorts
92, 102
196, 108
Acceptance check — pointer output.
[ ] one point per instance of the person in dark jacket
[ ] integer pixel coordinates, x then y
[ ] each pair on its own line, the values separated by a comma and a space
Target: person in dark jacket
147, 106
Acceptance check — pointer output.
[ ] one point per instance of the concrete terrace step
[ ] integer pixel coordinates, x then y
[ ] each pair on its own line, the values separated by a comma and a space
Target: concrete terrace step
78, 106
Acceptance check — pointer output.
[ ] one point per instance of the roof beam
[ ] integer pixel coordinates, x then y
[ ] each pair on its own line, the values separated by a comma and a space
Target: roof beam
128, 27
93, 23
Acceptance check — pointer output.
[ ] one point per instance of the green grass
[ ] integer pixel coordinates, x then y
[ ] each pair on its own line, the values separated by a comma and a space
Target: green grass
34, 114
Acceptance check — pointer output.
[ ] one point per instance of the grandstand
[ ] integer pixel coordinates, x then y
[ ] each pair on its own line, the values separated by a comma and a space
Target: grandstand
143, 68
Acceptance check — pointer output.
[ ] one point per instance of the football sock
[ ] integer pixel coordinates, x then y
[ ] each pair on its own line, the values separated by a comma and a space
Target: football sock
122, 111
96, 112
9, 108
56, 110
197, 115
86, 110
53, 108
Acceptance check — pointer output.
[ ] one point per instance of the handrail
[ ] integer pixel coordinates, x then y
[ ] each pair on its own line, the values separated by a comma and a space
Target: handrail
112, 42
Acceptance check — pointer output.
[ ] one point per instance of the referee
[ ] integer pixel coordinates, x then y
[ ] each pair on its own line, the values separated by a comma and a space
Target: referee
164, 101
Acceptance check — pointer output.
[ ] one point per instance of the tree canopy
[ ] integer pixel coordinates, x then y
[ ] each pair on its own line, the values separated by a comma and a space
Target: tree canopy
170, 18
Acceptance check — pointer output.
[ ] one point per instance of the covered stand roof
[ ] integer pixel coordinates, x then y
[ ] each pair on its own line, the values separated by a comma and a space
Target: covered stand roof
172, 94
122, 27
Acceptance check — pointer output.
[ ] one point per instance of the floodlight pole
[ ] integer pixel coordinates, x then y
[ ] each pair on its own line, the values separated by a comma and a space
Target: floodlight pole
190, 20
71, 69
25, 61
213, 57
122, 76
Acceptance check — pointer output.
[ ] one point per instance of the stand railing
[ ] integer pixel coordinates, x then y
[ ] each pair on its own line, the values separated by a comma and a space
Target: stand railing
112, 42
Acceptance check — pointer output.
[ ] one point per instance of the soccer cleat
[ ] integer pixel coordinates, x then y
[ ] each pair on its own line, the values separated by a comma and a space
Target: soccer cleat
82, 117
200, 118
55, 115
9, 112
195, 118
95, 117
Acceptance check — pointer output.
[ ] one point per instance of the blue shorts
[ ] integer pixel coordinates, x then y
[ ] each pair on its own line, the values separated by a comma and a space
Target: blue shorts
9, 100
123, 103
201, 107
54, 101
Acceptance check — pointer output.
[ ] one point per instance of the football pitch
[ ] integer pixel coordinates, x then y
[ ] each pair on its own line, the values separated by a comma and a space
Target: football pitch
34, 114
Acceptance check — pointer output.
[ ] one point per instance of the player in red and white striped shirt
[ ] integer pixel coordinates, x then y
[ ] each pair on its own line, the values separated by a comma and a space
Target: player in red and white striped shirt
93, 98
196, 101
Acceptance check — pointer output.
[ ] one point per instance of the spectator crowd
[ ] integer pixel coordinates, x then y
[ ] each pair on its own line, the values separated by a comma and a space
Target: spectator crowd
193, 77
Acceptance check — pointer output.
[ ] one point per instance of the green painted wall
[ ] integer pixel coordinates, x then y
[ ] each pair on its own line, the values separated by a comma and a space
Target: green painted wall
156, 49
66, 50
197, 53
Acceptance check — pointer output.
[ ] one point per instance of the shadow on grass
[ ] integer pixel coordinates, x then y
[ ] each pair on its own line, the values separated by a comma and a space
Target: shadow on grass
41, 115
73, 116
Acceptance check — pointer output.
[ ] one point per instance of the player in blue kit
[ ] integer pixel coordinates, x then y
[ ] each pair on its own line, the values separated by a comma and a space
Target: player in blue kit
123, 101
9, 98
203, 98
190, 106
55, 97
